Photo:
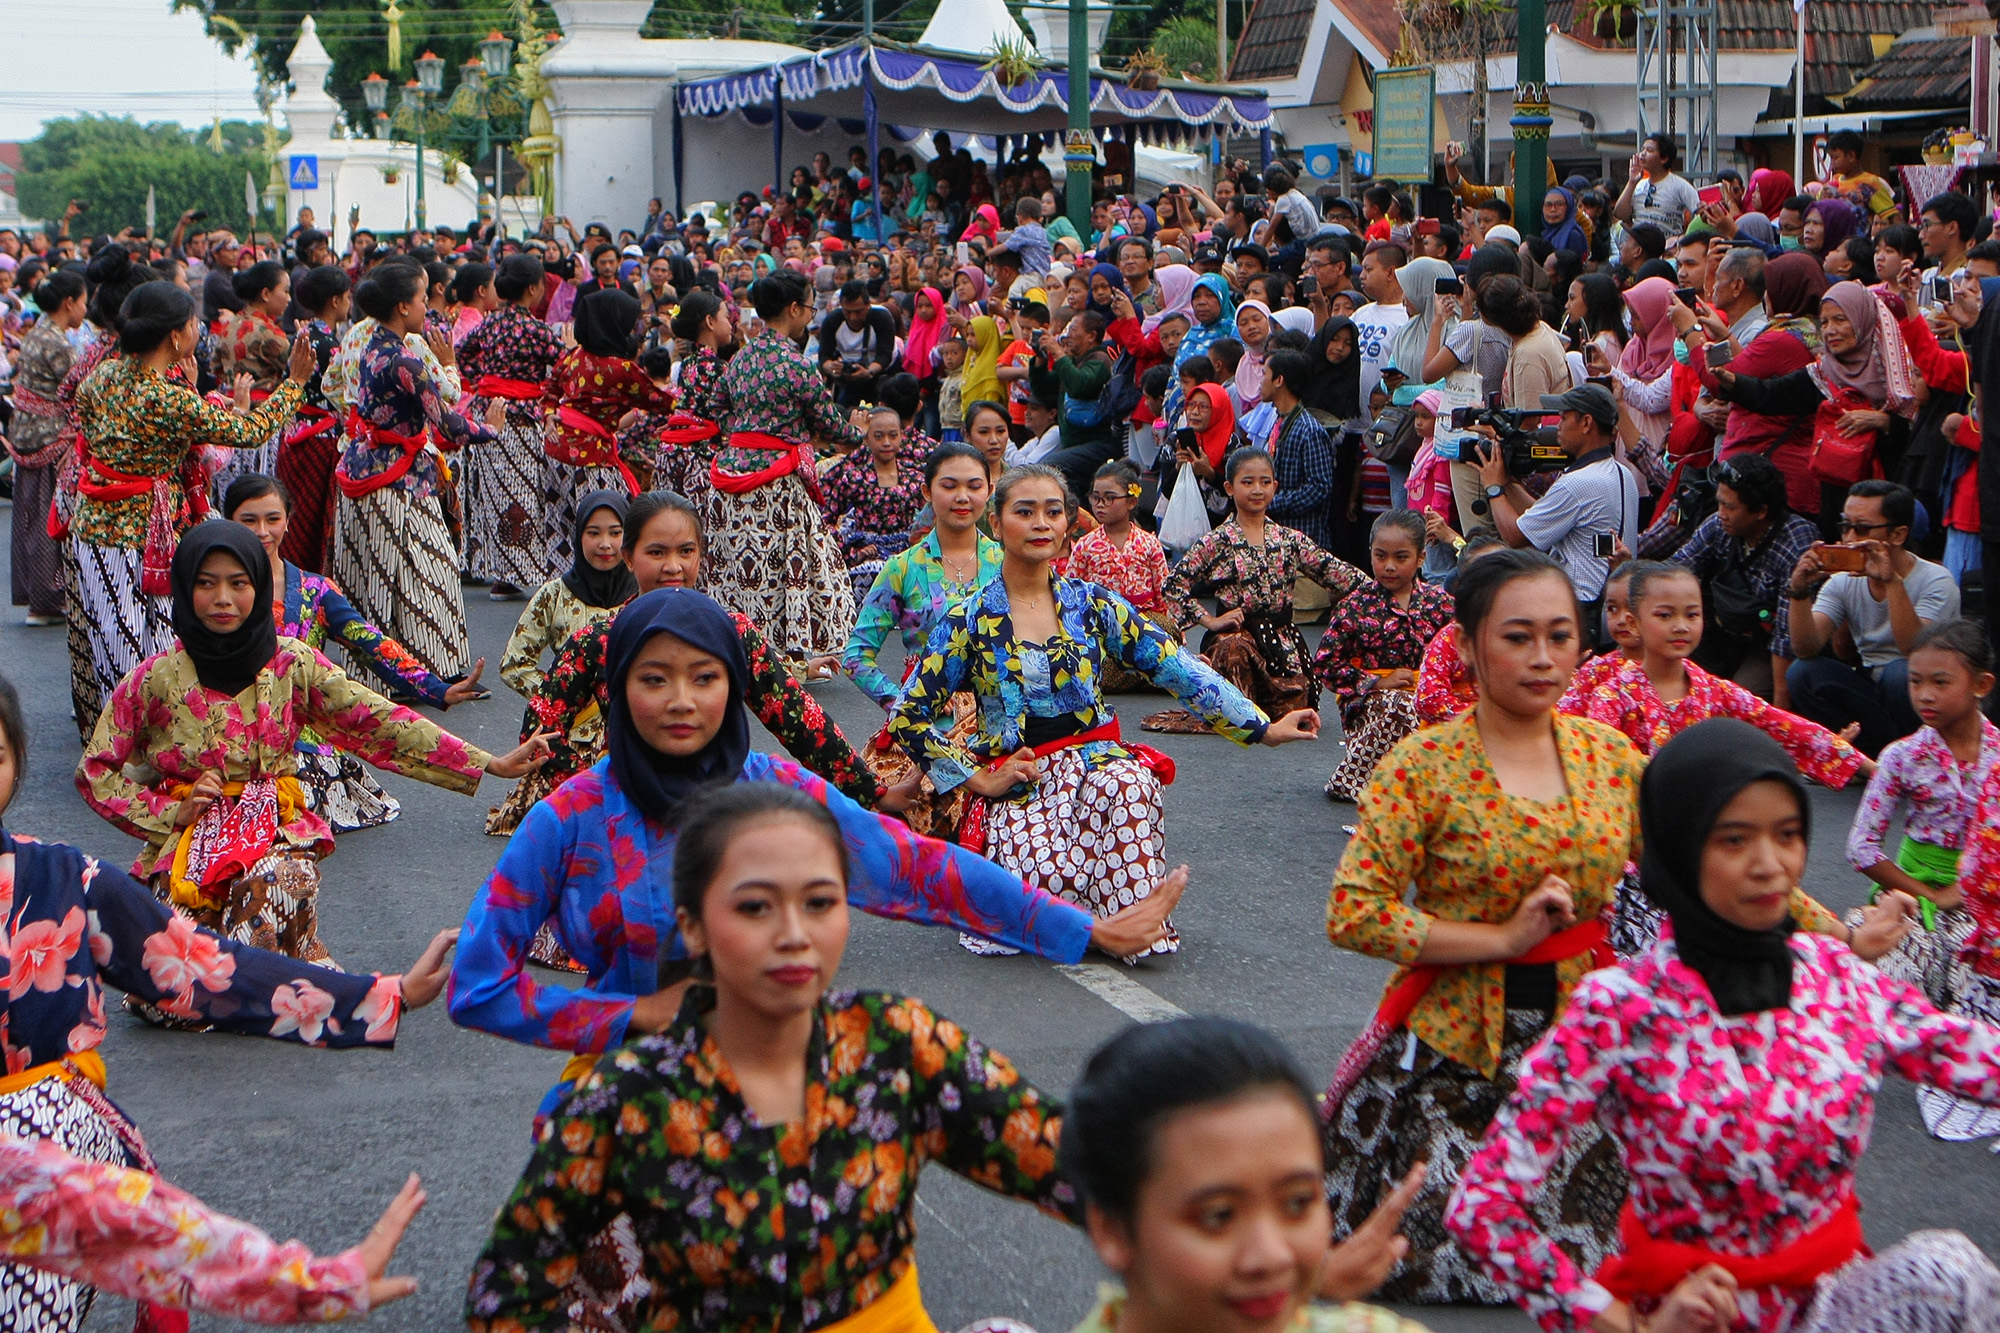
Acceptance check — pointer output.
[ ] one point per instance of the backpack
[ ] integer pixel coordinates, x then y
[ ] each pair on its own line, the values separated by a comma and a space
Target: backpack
1392, 437
1121, 396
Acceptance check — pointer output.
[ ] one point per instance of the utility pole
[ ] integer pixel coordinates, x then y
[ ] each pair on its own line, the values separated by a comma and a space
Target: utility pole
1531, 119
1079, 149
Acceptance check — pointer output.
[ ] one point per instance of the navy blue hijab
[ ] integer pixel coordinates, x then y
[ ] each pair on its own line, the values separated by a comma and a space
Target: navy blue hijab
660, 784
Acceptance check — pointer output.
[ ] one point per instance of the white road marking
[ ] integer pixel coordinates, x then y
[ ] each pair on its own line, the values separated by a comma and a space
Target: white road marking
1117, 989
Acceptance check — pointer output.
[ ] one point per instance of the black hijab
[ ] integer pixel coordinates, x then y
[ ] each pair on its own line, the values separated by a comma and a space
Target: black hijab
227, 663
593, 586
607, 323
1335, 390
1686, 786
658, 784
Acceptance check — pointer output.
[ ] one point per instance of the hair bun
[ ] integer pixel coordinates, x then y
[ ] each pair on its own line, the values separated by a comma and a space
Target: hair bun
109, 264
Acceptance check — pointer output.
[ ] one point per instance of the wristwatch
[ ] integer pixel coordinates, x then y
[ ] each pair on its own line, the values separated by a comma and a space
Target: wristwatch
1495, 492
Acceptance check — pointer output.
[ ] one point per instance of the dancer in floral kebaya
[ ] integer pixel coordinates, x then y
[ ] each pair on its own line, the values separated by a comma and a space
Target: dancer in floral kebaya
508, 359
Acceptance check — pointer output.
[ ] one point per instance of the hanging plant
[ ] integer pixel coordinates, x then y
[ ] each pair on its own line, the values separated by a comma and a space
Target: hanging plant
390, 175
1143, 69
451, 171
1613, 20
1013, 61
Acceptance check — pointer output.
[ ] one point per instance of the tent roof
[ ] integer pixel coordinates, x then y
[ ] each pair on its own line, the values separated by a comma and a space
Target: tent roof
970, 25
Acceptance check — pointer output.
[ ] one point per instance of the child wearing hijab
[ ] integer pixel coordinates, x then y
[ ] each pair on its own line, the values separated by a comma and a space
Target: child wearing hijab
196, 753
1742, 1210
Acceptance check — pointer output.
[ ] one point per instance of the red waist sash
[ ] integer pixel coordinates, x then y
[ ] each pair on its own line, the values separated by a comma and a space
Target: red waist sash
791, 457
27, 400
311, 423
101, 482
972, 828
571, 418
499, 386
378, 437
1649, 1266
681, 428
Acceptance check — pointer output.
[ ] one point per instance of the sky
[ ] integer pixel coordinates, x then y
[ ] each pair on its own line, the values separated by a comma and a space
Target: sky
122, 57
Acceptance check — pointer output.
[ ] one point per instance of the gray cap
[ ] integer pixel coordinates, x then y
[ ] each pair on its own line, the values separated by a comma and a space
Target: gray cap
1593, 399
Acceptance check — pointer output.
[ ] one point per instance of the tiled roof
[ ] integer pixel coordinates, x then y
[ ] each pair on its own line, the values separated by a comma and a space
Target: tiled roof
1273, 40
1919, 71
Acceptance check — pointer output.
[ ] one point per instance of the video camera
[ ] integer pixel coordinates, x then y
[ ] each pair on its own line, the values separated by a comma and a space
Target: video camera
1526, 446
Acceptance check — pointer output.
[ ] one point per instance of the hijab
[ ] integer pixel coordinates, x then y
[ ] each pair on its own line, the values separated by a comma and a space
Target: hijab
661, 784
1200, 335
985, 222
1838, 220
1111, 275
607, 324
977, 277
1176, 283
981, 377
1249, 377
1296, 318
1568, 234
924, 335
1649, 352
227, 663
1221, 423
1759, 231
1419, 280
1875, 366
1335, 389
593, 586
1793, 285
1686, 785
1767, 191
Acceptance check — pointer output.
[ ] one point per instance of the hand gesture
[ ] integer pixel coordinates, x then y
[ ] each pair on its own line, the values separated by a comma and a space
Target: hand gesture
897, 797
1437, 530
468, 689
1001, 778
425, 978
1446, 305
240, 397
1704, 1302
379, 1245
1135, 929
1353, 1269
1300, 725
524, 758
824, 667
303, 362
496, 414
1633, 172
207, 788
439, 344
1453, 151
1225, 621
1548, 909
1965, 301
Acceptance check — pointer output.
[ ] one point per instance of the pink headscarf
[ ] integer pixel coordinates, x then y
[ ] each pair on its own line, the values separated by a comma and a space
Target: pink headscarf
1767, 191
1176, 283
925, 335
977, 277
985, 222
1249, 379
1649, 353
1878, 365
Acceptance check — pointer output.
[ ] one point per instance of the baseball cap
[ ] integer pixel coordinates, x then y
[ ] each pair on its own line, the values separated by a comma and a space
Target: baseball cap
1208, 252
631, 252
1593, 399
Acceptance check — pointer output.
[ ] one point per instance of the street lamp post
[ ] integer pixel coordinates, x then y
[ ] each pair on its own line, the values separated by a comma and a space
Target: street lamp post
428, 84
375, 92
497, 54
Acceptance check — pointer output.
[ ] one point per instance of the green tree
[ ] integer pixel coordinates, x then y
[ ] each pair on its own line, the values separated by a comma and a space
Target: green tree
108, 162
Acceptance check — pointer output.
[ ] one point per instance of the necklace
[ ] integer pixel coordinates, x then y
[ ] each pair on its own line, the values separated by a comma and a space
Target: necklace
956, 569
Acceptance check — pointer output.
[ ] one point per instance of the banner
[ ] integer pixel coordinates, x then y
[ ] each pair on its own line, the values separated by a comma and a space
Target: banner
1404, 119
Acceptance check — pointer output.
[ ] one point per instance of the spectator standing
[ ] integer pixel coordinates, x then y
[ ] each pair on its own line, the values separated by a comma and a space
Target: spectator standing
1376, 323
1653, 193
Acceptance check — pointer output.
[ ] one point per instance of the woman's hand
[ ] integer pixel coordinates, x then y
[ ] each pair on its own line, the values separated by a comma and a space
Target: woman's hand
1965, 301
1402, 678
1718, 216
379, 1245
1223, 622
240, 396
302, 363
439, 344
207, 788
897, 798
1437, 530
463, 691
1861, 420
1548, 909
824, 667
1704, 1302
1446, 305
1685, 320
1300, 725
652, 1012
496, 414
1199, 459
996, 781
1353, 1269
1137, 928
1121, 306
424, 980
1884, 922
525, 758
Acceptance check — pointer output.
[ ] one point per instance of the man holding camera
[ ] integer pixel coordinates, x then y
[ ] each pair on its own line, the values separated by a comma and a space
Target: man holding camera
857, 345
1592, 508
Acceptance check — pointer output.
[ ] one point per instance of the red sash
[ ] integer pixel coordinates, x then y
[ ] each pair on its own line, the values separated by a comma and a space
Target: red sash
791, 457
227, 401
376, 436
972, 828
157, 552
572, 419
1649, 1266
684, 429
499, 386
27, 400
310, 424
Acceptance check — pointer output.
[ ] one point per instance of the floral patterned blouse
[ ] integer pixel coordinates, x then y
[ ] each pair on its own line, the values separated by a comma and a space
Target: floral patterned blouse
135, 1235
974, 647
394, 390
326, 345
1920, 779
161, 718
341, 379
512, 344
1137, 572
1372, 633
603, 388
45, 357
574, 695
856, 500
909, 595
773, 387
1979, 879
1624, 698
547, 621
144, 424
315, 609
1445, 687
1740, 1133
1258, 579
251, 343
72, 925
1433, 815
746, 1226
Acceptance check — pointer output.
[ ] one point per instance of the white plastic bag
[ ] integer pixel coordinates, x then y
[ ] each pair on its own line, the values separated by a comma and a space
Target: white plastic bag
1186, 520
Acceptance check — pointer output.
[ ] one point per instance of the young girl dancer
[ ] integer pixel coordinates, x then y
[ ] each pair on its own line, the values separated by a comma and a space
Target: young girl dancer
1124, 558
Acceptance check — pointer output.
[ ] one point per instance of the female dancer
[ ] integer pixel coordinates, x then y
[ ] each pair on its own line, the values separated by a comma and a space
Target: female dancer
871, 497
597, 583
1124, 558
34, 442
704, 328
75, 925
1061, 801
144, 482
393, 552
311, 449
1250, 565
1445, 687
214, 721
508, 358
1735, 1068
250, 347
676, 725
596, 382
311, 608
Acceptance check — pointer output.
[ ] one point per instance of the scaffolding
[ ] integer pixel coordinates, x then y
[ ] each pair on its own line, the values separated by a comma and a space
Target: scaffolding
1677, 79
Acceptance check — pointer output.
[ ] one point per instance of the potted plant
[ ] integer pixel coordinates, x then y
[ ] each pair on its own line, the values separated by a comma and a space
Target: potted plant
1613, 20
1143, 69
1013, 61
391, 174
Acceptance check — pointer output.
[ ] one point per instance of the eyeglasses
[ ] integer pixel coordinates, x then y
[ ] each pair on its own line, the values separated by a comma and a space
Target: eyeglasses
1849, 525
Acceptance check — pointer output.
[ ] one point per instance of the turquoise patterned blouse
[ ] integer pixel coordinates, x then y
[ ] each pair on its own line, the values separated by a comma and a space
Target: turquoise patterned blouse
974, 647
911, 594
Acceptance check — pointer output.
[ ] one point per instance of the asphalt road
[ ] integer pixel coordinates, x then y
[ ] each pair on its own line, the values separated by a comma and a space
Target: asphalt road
312, 1144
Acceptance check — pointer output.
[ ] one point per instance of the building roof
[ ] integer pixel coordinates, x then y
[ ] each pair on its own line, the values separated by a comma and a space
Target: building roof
1921, 70
1273, 40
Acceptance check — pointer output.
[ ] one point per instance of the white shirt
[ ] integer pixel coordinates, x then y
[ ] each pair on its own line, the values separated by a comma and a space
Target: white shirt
1034, 451
1601, 497
1374, 325
1667, 203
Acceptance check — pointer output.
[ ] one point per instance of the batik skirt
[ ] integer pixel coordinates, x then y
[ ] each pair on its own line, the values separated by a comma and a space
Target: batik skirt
1931, 960
398, 563
113, 624
1635, 918
1117, 678
1370, 732
273, 905
771, 558
503, 508
1950, 1117
37, 558
1265, 660
1415, 1105
930, 814
340, 789
262, 458
305, 467
1091, 831
1927, 1282
563, 488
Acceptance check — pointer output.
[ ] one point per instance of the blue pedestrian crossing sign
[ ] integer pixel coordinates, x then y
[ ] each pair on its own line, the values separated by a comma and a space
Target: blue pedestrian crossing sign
305, 172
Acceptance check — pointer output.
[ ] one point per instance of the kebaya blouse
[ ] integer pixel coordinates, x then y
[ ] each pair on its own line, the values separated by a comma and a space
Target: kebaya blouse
909, 595
1919, 778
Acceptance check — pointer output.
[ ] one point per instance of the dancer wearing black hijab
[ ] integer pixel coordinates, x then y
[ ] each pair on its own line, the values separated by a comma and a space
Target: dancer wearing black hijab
214, 721
596, 383
1735, 1066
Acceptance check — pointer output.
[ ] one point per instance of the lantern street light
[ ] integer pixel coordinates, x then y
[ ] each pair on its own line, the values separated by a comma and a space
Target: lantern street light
375, 92
416, 98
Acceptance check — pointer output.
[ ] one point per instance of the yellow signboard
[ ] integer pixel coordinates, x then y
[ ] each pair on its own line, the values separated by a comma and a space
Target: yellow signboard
1404, 99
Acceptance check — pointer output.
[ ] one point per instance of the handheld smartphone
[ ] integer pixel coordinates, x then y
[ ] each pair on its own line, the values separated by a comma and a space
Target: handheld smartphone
1428, 226
1710, 194
1843, 559
1309, 285
1185, 438
1450, 287
964, 252
1602, 544
1941, 289
1688, 296
1601, 381
1717, 354
199, 215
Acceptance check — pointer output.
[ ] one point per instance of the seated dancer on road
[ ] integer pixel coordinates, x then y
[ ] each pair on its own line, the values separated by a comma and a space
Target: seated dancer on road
310, 608
214, 722
1515, 822
1056, 798
593, 861
910, 595
1125, 558
310, 451
1445, 687
1250, 565
871, 497
76, 925
1374, 645
1734, 1066
508, 359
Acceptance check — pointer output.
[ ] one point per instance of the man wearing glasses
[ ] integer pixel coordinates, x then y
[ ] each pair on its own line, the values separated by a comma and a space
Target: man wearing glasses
1945, 227
1882, 609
